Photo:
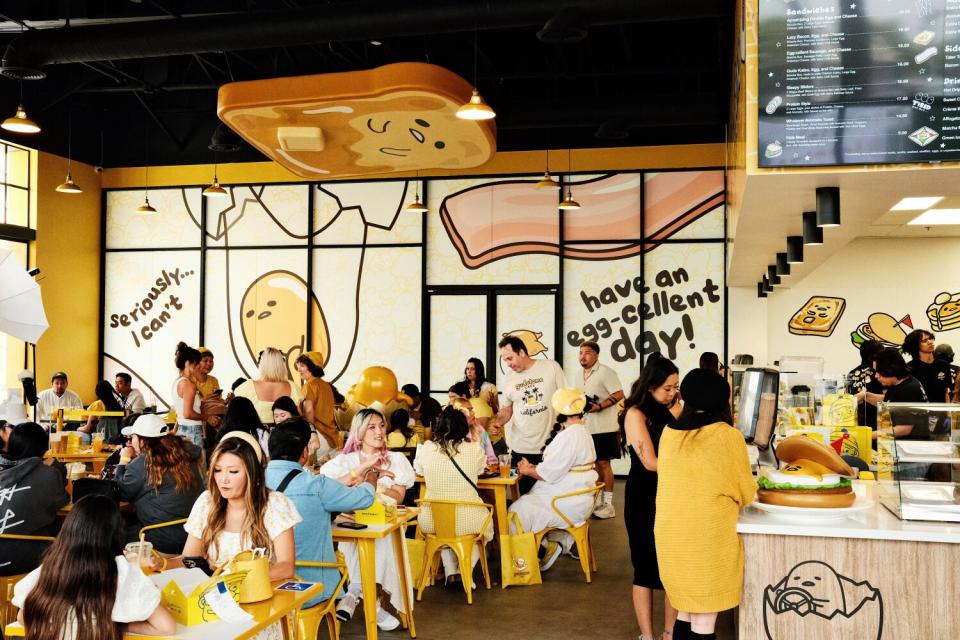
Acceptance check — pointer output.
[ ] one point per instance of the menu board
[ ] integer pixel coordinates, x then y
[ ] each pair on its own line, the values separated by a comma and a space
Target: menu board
858, 82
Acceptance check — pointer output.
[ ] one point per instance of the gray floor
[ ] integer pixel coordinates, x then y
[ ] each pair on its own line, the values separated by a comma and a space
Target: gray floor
563, 607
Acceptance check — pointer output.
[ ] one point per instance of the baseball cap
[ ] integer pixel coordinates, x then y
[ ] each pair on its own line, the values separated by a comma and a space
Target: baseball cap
568, 401
58, 374
149, 425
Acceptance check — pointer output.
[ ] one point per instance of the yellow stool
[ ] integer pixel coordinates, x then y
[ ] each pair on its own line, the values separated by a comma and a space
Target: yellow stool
445, 526
307, 621
581, 534
8, 612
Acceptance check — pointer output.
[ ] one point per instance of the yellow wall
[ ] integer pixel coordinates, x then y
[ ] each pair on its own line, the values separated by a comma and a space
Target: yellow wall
67, 250
531, 162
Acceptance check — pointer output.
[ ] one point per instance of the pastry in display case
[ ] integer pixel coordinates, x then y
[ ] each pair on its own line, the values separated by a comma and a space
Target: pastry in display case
918, 460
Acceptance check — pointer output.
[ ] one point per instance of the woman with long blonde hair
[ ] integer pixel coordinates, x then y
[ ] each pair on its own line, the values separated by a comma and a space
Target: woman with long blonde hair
85, 588
160, 474
366, 449
272, 383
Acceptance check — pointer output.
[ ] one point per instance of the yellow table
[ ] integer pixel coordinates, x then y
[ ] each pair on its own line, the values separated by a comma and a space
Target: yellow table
96, 458
499, 486
365, 540
265, 613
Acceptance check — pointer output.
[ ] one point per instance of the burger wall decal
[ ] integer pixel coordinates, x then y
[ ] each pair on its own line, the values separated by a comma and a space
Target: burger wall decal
814, 601
883, 328
813, 475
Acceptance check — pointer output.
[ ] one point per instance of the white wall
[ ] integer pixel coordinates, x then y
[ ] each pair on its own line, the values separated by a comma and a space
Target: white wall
747, 324
896, 276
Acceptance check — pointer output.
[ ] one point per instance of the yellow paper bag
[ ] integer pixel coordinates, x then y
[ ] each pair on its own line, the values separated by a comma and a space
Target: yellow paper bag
519, 564
256, 586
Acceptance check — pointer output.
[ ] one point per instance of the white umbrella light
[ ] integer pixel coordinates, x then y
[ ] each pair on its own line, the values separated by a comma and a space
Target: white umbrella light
21, 307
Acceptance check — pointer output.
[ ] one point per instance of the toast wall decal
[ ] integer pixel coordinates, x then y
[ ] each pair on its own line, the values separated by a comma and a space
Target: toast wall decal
817, 317
395, 118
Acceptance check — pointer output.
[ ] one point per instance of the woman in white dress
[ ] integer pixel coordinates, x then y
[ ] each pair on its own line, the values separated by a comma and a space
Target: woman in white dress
568, 461
366, 448
238, 513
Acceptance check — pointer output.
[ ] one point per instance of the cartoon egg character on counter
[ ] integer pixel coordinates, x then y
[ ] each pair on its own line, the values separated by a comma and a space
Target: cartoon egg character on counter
375, 388
273, 313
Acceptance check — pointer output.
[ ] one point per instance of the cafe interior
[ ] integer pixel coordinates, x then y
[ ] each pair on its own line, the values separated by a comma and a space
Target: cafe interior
390, 190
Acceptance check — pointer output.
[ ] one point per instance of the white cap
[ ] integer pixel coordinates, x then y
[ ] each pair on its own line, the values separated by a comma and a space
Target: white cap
149, 425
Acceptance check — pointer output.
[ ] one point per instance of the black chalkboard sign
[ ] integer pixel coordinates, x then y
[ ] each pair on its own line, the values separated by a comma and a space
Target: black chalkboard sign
858, 82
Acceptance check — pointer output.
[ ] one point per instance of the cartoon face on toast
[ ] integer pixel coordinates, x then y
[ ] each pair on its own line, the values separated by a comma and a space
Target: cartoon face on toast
400, 117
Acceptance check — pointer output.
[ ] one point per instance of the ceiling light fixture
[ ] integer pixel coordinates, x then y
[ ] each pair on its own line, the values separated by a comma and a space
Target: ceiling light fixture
19, 122
547, 181
937, 216
146, 208
794, 249
767, 287
828, 207
916, 204
783, 267
475, 108
772, 275
215, 190
568, 203
812, 234
416, 206
68, 185
761, 292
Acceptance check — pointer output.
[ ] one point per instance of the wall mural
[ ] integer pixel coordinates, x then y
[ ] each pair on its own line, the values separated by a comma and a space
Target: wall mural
625, 284
883, 328
817, 317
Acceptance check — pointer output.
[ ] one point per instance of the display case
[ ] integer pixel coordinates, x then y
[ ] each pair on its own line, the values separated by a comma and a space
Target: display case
918, 460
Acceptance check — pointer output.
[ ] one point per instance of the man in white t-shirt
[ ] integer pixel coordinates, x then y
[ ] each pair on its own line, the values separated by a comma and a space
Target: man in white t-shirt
129, 397
56, 397
527, 391
603, 389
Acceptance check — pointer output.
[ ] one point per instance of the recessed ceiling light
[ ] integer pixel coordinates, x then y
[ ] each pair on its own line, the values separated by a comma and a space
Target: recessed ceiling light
916, 204
376, 43
937, 216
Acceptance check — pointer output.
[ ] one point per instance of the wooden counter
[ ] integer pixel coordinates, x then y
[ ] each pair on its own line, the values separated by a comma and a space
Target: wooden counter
860, 578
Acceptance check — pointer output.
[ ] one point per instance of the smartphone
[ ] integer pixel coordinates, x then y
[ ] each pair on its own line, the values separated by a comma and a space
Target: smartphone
197, 562
352, 525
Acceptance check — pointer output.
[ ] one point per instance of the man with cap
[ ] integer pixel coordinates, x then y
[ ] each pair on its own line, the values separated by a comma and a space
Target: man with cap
316, 498
602, 385
58, 396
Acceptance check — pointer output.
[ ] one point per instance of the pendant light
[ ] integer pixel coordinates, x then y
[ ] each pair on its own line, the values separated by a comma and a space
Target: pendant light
68, 185
761, 292
547, 181
215, 190
19, 122
767, 287
772, 275
812, 234
416, 206
475, 108
828, 207
568, 203
146, 208
783, 267
794, 249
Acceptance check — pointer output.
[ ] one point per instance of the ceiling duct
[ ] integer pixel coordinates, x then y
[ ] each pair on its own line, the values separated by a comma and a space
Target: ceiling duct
30, 52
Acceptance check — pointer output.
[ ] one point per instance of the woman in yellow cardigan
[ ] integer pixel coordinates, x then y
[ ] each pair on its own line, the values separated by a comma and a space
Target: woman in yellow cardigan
704, 480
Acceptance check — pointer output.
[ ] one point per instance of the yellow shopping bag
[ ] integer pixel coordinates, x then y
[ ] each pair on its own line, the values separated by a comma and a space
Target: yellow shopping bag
519, 564
416, 549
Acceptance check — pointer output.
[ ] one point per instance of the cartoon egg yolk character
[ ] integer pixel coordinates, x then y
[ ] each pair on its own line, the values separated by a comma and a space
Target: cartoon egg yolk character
412, 131
273, 313
377, 388
531, 340
821, 583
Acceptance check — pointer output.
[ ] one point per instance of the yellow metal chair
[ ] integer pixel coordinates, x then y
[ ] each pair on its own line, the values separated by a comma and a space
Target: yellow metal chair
445, 526
160, 525
8, 612
581, 534
307, 621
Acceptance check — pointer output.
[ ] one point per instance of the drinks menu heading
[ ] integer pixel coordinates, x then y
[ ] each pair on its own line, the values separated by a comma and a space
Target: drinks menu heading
858, 82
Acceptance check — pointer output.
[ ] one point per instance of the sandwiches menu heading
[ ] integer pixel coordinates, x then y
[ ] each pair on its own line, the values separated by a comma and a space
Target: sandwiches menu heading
858, 82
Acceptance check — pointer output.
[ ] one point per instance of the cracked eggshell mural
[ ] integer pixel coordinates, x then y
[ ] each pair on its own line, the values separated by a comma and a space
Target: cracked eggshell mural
395, 118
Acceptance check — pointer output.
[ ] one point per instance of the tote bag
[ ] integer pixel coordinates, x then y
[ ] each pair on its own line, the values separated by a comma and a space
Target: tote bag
519, 564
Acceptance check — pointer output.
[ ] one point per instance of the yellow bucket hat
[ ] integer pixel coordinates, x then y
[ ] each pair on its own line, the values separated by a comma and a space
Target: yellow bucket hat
568, 401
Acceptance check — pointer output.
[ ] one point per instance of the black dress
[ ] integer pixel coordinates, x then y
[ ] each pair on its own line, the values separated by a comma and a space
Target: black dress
640, 508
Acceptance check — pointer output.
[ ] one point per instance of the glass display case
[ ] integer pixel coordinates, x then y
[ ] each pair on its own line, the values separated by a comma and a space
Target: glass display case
918, 460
